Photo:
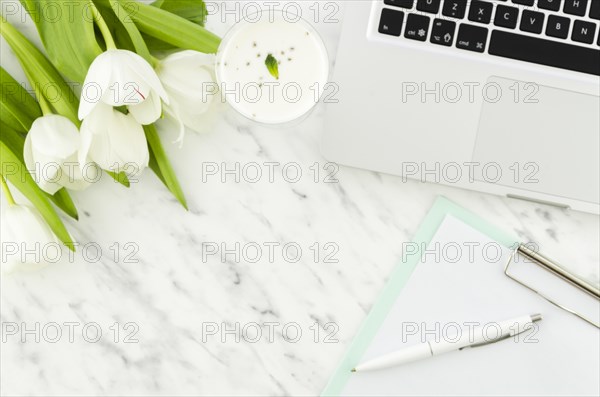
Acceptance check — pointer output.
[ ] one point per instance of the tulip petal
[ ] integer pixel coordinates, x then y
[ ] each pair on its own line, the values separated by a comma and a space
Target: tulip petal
147, 74
188, 59
188, 76
114, 141
54, 135
173, 113
148, 111
126, 87
129, 141
95, 144
24, 226
42, 171
51, 140
96, 84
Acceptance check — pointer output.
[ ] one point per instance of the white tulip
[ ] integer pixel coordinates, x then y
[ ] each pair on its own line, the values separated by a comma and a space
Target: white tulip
26, 239
189, 79
114, 141
51, 154
123, 78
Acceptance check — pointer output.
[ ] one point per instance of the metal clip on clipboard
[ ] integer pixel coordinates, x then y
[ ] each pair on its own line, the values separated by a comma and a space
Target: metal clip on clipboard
557, 270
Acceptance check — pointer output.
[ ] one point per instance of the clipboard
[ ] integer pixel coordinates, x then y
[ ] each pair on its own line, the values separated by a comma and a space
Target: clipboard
387, 299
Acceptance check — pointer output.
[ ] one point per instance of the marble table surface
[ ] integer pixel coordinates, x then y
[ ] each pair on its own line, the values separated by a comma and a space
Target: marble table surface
257, 290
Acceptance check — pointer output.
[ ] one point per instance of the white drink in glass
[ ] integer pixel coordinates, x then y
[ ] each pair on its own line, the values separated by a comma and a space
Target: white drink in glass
302, 64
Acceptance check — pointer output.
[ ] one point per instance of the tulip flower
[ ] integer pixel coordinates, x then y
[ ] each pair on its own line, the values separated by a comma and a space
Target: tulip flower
113, 140
25, 237
123, 78
51, 154
188, 77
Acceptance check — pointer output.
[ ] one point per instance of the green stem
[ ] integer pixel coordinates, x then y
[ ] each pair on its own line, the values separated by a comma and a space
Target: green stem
44, 104
46, 110
155, 61
7, 193
108, 39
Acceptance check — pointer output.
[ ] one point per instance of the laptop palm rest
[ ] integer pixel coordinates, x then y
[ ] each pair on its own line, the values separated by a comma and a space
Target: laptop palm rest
539, 138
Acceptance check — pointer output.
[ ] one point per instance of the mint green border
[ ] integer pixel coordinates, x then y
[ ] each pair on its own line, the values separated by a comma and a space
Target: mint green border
398, 278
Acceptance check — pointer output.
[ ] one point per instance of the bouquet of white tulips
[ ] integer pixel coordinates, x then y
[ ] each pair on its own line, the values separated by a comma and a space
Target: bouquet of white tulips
96, 96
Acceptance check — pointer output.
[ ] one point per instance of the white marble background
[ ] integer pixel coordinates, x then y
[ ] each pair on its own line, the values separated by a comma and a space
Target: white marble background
172, 292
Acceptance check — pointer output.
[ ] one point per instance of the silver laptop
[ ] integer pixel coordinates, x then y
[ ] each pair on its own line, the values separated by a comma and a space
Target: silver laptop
496, 96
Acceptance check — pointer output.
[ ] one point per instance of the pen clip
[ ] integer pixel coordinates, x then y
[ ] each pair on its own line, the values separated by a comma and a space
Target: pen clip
500, 338
489, 342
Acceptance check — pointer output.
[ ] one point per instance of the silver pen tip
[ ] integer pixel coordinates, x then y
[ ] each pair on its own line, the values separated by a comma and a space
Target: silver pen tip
536, 317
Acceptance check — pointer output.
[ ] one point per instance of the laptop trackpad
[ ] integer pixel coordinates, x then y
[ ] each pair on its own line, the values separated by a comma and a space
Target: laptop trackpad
542, 139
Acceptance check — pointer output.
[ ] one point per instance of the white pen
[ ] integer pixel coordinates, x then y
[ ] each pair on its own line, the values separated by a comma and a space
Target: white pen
501, 330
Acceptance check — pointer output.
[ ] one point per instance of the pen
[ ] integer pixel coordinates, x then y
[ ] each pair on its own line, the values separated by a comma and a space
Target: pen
505, 329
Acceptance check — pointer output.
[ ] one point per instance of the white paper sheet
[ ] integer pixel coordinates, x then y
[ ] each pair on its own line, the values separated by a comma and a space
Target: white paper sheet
560, 357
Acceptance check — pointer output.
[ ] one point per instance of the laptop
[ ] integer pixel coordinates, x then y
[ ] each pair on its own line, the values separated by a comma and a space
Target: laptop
495, 96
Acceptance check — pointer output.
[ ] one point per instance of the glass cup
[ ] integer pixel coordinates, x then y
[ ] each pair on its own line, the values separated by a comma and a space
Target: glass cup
299, 67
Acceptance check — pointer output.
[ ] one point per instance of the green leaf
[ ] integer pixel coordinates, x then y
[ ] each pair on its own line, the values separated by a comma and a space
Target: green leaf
62, 199
67, 31
153, 164
272, 66
121, 177
18, 109
193, 10
15, 142
126, 33
172, 28
161, 166
15, 172
41, 72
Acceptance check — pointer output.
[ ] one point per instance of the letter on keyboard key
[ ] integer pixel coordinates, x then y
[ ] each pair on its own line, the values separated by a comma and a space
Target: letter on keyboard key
584, 32
506, 17
481, 11
558, 27
472, 38
545, 52
455, 8
391, 22
576, 7
532, 21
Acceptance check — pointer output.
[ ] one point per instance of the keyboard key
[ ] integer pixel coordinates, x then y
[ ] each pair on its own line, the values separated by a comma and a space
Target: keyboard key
442, 32
391, 22
595, 10
524, 2
575, 7
455, 8
532, 21
480, 11
558, 27
432, 6
506, 17
552, 5
417, 27
472, 38
400, 3
584, 32
545, 52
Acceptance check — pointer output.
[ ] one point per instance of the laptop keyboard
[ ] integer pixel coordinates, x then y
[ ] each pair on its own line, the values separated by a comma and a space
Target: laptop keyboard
558, 33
